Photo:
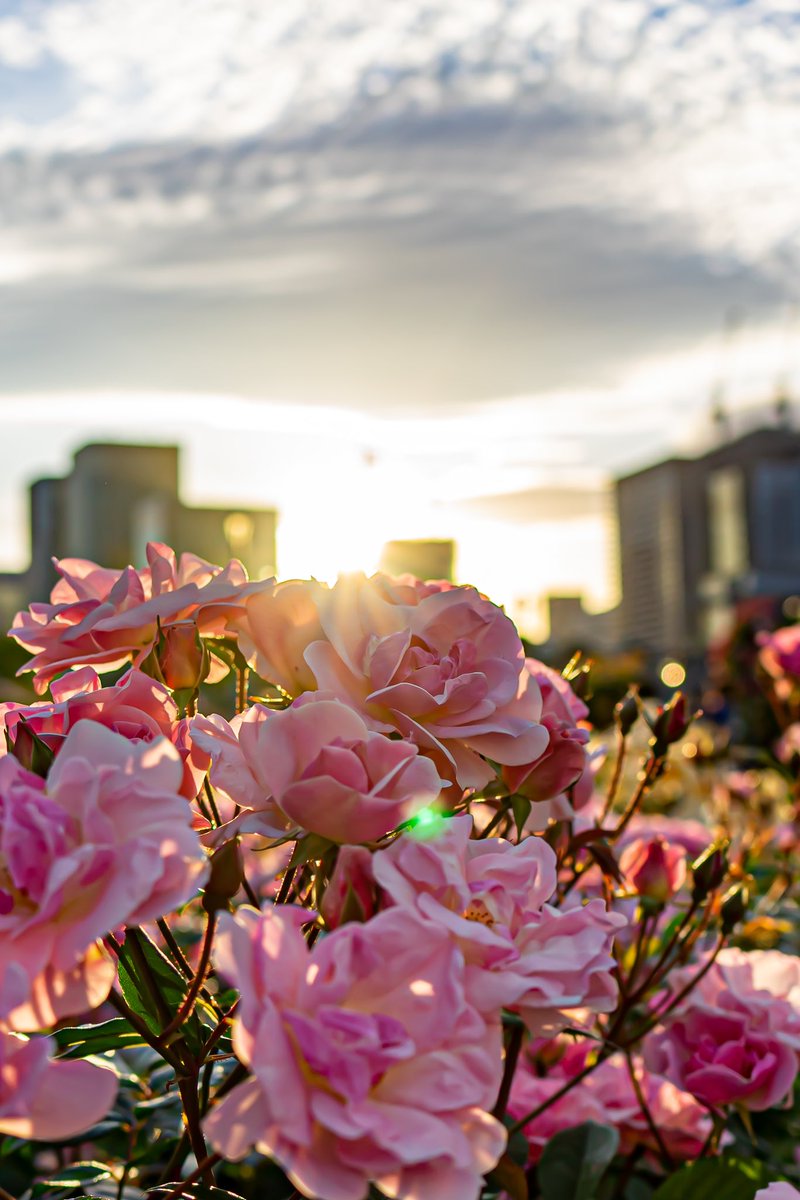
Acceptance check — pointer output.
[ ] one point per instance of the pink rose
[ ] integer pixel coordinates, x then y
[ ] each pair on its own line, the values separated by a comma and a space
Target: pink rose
653, 868
351, 891
137, 707
316, 766
277, 626
104, 841
736, 1037
492, 897
442, 667
560, 781
778, 1191
608, 1097
107, 618
48, 1100
368, 1064
780, 651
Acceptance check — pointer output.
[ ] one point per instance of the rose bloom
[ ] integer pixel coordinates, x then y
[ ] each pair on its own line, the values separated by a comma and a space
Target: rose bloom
780, 651
137, 707
653, 868
608, 1097
104, 841
736, 1037
107, 618
368, 1063
45, 1100
316, 766
560, 781
442, 666
492, 897
778, 1191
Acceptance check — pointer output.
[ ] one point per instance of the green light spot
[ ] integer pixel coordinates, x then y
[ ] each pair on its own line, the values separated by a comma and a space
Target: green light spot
426, 824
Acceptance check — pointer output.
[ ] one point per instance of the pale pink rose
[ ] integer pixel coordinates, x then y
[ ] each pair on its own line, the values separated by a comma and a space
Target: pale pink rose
368, 1064
45, 1100
736, 1037
104, 841
608, 1097
277, 626
137, 707
492, 896
653, 868
778, 1191
316, 766
442, 667
780, 651
107, 618
560, 781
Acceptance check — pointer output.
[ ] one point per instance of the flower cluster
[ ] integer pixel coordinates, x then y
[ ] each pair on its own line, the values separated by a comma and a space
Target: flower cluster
348, 934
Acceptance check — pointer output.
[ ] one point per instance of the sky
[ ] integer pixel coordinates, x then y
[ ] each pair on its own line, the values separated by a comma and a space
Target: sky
403, 269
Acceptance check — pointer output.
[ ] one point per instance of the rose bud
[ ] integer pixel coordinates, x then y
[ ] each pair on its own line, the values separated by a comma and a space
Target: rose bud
225, 878
709, 870
182, 657
653, 868
30, 750
351, 894
670, 724
734, 906
626, 712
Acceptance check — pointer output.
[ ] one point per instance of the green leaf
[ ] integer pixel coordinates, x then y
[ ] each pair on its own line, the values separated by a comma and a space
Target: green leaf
521, 808
202, 1191
80, 1041
311, 846
575, 1160
68, 1178
169, 981
711, 1179
509, 1177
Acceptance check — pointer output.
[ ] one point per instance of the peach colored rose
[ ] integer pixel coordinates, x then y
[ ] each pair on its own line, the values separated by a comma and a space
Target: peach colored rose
107, 618
492, 896
367, 1062
443, 667
316, 766
48, 1100
560, 781
104, 841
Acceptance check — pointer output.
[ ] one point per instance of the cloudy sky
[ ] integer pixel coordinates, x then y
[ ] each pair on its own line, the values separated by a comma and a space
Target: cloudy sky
417, 252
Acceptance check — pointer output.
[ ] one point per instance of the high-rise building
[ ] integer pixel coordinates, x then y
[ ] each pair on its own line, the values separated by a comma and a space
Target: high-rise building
700, 536
115, 500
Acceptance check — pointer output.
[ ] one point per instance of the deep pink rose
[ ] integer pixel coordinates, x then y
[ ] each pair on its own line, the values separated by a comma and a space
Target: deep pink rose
137, 707
608, 1097
653, 868
442, 667
317, 767
560, 781
780, 651
368, 1064
104, 841
736, 1037
492, 897
47, 1100
107, 618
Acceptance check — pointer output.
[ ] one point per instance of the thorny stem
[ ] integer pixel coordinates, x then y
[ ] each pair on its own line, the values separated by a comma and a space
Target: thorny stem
512, 1055
613, 786
196, 986
666, 1157
242, 676
656, 1017
124, 1010
209, 1161
209, 791
191, 1111
182, 962
648, 777
286, 885
568, 1086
